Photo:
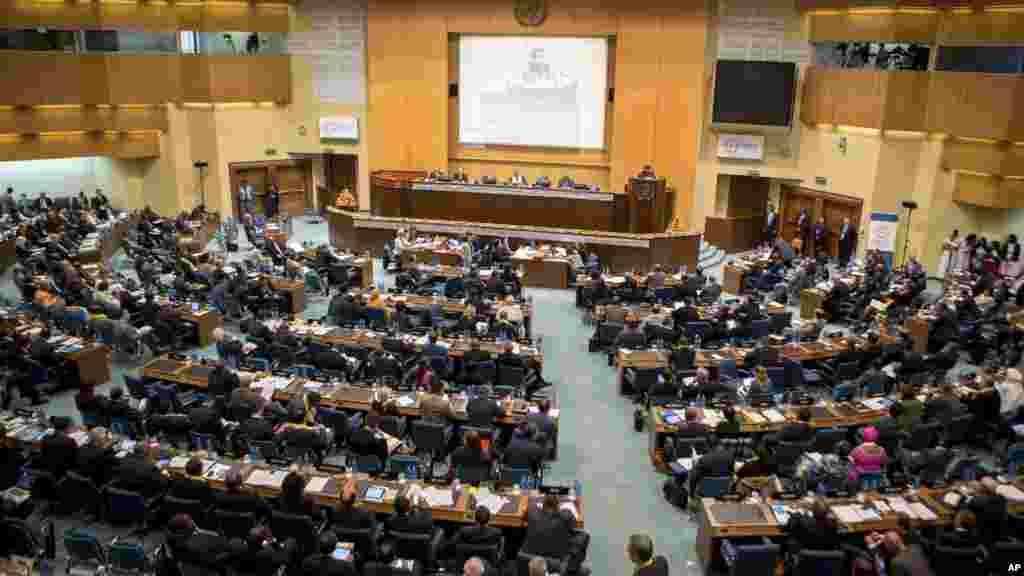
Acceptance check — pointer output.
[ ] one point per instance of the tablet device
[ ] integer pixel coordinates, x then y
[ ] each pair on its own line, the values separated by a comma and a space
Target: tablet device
374, 494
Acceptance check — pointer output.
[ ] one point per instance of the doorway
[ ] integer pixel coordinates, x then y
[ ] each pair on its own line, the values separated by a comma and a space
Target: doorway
340, 171
294, 179
833, 207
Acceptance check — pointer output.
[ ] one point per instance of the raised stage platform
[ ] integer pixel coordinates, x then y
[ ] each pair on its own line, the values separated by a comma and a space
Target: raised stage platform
622, 252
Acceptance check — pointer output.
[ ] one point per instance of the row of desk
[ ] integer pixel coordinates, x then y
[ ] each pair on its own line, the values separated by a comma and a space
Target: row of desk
720, 520
453, 306
338, 396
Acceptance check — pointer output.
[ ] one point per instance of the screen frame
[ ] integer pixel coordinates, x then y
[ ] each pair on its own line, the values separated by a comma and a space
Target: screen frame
610, 46
761, 128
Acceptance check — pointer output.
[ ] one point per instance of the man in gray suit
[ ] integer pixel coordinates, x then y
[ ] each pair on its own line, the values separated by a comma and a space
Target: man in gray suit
246, 197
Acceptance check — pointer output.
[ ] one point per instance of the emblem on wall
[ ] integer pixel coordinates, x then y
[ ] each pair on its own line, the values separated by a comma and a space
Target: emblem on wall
531, 12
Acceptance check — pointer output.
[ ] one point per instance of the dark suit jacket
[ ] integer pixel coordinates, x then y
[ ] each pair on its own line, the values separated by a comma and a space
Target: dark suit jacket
363, 442
482, 411
523, 453
547, 534
796, 432
189, 489
715, 463
476, 356
95, 463
355, 519
477, 535
242, 503
135, 475
544, 423
415, 521
205, 420
58, 453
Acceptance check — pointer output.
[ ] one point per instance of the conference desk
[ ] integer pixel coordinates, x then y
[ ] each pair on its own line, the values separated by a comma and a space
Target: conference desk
618, 281
429, 254
617, 250
206, 321
451, 306
294, 292
338, 396
733, 278
91, 361
811, 299
542, 271
721, 520
331, 487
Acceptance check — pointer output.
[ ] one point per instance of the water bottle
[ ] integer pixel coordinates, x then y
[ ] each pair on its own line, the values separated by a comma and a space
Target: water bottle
524, 482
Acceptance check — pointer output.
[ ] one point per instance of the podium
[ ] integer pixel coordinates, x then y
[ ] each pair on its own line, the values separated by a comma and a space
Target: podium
649, 205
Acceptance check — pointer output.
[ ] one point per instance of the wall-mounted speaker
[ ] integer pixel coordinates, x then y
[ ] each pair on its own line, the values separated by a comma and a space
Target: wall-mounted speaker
453, 90
611, 94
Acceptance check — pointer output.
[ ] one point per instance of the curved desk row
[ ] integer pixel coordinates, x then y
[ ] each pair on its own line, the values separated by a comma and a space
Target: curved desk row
619, 251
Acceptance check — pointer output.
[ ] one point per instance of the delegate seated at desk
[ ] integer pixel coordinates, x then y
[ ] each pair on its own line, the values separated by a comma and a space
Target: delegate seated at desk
550, 532
718, 462
410, 517
233, 499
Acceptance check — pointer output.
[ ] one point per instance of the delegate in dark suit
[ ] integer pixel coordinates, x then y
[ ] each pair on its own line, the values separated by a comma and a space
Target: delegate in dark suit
135, 475
58, 453
718, 462
96, 463
847, 242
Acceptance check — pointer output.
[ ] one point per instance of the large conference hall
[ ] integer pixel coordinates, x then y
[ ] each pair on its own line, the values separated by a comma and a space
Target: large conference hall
512, 287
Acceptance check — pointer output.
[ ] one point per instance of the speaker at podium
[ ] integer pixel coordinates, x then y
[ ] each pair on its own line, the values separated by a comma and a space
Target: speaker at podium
650, 207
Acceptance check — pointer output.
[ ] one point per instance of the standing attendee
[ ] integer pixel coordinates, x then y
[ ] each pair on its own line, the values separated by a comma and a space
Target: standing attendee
246, 197
820, 234
771, 224
847, 241
803, 224
950, 254
272, 200
640, 551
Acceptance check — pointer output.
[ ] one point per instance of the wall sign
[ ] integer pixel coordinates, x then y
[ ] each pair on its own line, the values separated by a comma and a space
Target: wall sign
741, 146
339, 128
882, 231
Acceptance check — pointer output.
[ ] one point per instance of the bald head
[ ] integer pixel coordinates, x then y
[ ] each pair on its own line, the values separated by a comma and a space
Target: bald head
473, 567
537, 567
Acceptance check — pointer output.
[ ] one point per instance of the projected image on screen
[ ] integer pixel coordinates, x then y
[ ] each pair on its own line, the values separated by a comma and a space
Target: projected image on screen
531, 91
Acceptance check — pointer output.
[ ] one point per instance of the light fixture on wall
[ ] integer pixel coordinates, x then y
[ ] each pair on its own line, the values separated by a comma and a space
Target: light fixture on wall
201, 167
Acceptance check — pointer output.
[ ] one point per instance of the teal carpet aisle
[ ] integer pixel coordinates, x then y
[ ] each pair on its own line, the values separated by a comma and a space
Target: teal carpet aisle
597, 444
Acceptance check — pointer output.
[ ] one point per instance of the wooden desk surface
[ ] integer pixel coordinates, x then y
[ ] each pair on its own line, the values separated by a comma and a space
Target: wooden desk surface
344, 397
726, 519
511, 515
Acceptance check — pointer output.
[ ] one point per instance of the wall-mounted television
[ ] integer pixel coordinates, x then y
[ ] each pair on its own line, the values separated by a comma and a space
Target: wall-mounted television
753, 95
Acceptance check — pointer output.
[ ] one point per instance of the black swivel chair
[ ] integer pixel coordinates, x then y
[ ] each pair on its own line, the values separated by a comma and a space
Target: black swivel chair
423, 547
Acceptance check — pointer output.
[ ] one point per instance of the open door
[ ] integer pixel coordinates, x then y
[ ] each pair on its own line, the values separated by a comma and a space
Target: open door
340, 171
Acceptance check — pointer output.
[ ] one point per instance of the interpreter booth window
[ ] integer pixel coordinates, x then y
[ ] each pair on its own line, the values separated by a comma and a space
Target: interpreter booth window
879, 55
983, 59
241, 43
38, 40
134, 42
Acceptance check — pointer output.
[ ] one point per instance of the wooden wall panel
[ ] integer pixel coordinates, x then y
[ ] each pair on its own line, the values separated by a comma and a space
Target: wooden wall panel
1013, 161
1012, 191
161, 74
212, 17
195, 79
262, 78
971, 156
80, 145
978, 190
815, 106
408, 89
34, 121
873, 27
974, 28
906, 93
954, 105
858, 97
565, 18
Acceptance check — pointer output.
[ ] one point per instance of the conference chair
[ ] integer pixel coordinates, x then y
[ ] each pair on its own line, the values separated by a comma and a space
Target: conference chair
298, 526
423, 547
754, 559
232, 524
365, 540
949, 561
76, 493
821, 563
493, 554
84, 551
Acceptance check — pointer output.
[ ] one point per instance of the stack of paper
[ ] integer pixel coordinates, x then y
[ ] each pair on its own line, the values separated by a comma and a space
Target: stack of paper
1010, 492
217, 472
899, 506
438, 498
754, 417
493, 502
922, 512
267, 478
774, 415
317, 484
178, 462
782, 514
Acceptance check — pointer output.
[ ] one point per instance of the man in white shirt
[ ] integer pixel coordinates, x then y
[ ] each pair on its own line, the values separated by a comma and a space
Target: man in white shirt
518, 179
